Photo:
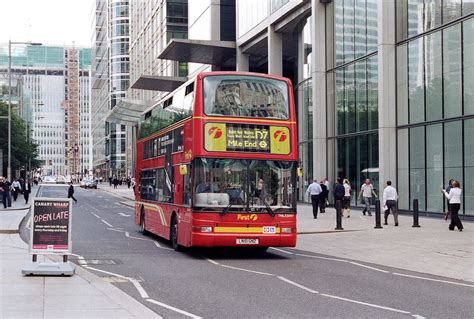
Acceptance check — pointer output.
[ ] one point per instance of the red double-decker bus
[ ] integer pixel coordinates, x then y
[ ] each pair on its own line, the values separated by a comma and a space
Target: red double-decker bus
217, 163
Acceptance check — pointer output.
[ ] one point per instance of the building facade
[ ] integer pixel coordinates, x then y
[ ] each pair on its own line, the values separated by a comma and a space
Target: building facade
382, 89
48, 84
111, 79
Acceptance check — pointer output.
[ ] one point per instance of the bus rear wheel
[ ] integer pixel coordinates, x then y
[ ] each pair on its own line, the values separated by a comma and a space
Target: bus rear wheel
142, 223
174, 235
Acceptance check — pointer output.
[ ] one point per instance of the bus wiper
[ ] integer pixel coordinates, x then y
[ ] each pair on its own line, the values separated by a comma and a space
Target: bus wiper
269, 209
226, 209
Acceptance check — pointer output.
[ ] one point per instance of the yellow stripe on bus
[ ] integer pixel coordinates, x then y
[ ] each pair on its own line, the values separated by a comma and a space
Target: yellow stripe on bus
158, 209
246, 230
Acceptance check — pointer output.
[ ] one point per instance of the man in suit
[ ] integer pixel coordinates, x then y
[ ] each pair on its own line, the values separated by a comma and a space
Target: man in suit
26, 187
70, 192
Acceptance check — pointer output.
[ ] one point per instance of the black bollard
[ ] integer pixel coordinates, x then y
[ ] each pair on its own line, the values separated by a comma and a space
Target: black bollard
415, 214
377, 214
339, 215
64, 258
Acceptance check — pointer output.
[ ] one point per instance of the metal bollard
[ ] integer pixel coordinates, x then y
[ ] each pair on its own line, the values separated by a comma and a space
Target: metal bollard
377, 214
339, 215
415, 214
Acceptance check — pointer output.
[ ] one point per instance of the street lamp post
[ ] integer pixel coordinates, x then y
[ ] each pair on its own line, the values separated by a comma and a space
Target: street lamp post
9, 167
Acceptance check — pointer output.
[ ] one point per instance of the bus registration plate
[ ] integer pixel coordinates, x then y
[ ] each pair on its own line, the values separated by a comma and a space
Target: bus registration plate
247, 241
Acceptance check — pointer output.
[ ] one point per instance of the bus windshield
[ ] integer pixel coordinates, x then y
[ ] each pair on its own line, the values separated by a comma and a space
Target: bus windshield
245, 96
243, 185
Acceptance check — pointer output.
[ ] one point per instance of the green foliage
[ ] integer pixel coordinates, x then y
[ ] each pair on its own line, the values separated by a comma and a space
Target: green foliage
23, 148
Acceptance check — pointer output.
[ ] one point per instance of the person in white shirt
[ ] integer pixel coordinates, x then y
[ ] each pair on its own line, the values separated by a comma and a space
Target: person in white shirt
454, 197
366, 191
16, 188
346, 202
389, 199
314, 190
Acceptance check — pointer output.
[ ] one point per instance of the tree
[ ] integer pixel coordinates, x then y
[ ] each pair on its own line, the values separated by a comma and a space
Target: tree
24, 151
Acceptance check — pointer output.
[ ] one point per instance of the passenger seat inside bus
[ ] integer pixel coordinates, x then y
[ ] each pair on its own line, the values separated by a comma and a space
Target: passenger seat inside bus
209, 199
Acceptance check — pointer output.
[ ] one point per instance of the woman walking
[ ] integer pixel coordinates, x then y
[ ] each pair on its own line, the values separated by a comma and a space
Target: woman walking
346, 202
454, 198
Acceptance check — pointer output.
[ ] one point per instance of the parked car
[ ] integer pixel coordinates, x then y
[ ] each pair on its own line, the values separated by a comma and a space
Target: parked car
60, 180
49, 179
90, 183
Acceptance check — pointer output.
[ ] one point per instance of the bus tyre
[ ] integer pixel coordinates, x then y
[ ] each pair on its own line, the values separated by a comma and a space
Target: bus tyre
174, 235
142, 223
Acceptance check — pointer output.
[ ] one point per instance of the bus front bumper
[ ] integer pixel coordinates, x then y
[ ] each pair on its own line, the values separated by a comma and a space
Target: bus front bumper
242, 240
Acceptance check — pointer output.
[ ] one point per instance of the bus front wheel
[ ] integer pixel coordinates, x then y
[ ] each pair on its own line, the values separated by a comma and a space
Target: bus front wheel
174, 235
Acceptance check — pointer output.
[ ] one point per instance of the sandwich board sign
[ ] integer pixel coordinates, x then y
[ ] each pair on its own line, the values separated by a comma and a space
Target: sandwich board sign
50, 234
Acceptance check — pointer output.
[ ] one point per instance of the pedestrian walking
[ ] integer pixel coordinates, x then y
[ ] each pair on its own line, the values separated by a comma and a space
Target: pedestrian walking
346, 202
454, 197
7, 190
110, 180
323, 197
448, 188
314, 189
115, 182
339, 191
16, 189
3, 192
366, 192
129, 182
26, 190
70, 192
389, 199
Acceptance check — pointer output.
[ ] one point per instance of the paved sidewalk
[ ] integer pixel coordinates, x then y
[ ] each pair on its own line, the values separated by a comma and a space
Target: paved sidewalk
83, 295
432, 248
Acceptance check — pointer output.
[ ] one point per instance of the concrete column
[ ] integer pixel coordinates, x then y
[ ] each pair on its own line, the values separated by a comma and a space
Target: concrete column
387, 92
318, 62
275, 52
242, 63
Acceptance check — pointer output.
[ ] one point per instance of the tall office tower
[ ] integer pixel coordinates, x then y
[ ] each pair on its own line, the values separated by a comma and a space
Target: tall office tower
47, 78
110, 82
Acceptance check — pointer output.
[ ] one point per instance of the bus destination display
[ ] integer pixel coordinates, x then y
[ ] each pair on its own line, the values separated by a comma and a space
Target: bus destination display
221, 137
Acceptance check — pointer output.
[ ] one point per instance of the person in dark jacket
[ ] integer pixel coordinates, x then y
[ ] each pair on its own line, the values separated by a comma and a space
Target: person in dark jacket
3, 192
339, 192
323, 197
26, 190
70, 192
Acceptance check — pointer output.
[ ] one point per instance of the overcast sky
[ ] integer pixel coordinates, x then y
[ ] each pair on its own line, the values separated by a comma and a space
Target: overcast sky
59, 22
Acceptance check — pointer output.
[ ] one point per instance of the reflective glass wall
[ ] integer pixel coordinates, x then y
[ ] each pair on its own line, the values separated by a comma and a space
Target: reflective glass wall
435, 112
352, 86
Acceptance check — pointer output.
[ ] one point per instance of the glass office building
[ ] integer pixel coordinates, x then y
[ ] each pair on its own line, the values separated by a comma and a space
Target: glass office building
383, 89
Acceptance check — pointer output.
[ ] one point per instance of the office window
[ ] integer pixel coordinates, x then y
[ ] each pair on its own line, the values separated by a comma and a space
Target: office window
452, 71
417, 165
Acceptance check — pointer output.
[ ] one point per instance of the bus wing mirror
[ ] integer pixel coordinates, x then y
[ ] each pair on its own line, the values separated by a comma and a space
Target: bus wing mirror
183, 169
300, 172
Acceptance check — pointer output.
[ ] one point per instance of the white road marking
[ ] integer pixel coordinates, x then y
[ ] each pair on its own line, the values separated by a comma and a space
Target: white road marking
325, 258
418, 317
157, 244
117, 230
437, 280
247, 270
368, 267
127, 234
139, 287
135, 282
212, 261
95, 215
105, 222
173, 308
124, 215
281, 250
366, 304
297, 285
